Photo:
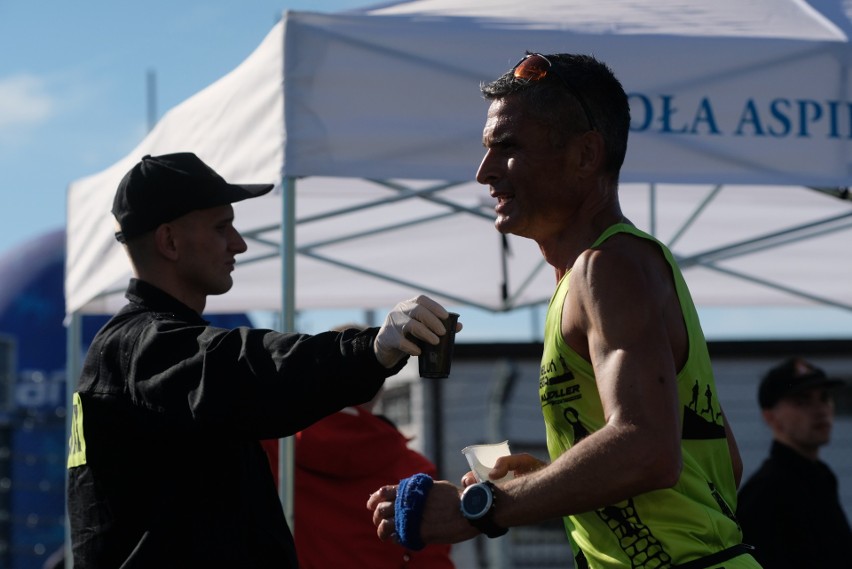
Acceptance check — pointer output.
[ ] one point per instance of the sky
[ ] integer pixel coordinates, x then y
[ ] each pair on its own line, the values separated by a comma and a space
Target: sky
73, 85
74, 99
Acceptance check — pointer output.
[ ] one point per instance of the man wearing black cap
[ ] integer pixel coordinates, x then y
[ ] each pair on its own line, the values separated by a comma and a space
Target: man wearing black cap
165, 465
789, 509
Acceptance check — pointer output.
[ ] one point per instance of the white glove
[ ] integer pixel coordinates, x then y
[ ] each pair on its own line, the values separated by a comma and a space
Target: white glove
419, 317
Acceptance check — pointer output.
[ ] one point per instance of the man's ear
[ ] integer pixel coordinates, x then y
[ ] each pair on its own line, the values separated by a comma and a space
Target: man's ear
592, 153
768, 417
165, 241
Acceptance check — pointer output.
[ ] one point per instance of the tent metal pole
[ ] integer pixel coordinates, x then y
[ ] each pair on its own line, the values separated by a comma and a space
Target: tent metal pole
286, 446
504, 380
652, 209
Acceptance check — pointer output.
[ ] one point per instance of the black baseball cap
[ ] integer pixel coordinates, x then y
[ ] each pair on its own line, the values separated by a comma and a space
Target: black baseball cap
792, 376
163, 188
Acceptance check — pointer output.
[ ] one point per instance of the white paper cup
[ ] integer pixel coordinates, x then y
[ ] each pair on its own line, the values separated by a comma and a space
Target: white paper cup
481, 459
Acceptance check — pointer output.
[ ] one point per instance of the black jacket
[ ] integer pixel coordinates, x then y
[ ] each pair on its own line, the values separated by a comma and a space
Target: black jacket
790, 511
165, 467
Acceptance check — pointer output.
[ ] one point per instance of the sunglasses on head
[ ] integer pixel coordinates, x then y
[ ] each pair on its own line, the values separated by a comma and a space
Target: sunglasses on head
535, 67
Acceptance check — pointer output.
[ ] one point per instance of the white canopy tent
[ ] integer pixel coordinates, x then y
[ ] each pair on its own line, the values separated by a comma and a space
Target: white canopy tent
370, 124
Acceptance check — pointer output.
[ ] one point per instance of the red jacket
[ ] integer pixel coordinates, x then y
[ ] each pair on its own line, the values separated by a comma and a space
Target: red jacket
340, 461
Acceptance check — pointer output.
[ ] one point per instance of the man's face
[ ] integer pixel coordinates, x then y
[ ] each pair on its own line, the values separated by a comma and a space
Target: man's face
530, 178
207, 246
804, 420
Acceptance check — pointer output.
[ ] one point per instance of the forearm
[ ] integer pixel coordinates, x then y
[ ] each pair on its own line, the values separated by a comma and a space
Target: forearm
607, 467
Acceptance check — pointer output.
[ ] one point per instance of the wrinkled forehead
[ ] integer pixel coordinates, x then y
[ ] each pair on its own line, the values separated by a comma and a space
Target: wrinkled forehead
510, 116
510, 106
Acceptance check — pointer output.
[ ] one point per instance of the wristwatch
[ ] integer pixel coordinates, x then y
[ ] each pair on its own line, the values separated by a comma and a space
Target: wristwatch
477, 506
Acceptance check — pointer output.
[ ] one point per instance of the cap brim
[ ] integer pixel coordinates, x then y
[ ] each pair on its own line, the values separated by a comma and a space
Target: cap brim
255, 189
819, 382
240, 192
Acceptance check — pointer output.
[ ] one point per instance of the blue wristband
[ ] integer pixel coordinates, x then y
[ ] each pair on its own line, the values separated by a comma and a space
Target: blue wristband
408, 509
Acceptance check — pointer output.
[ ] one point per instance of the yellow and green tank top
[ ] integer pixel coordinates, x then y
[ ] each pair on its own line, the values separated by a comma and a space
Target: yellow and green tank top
665, 527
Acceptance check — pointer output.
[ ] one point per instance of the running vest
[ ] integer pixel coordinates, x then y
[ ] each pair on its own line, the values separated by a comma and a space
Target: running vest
665, 527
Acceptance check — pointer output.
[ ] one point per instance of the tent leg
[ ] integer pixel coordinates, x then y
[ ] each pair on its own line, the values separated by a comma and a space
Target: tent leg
286, 448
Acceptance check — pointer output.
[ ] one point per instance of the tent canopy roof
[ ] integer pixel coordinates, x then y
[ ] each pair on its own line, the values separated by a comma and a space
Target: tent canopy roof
372, 113
732, 18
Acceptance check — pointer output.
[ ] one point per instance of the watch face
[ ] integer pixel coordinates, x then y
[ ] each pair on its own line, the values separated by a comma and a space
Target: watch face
476, 501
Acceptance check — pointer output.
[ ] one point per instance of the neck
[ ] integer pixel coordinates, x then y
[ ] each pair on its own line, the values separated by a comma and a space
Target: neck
562, 251
172, 287
809, 452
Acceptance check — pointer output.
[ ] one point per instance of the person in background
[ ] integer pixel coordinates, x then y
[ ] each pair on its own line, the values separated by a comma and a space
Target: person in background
640, 478
789, 508
165, 467
340, 460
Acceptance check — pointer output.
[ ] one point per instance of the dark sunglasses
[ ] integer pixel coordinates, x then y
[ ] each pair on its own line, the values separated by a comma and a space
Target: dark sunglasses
535, 67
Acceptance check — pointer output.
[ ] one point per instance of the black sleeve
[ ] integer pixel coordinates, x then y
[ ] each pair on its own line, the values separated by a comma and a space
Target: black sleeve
264, 383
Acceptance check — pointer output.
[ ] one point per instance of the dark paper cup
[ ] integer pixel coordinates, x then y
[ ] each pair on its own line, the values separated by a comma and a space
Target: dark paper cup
434, 361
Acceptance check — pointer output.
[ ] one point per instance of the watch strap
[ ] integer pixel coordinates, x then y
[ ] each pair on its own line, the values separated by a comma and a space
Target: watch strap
486, 523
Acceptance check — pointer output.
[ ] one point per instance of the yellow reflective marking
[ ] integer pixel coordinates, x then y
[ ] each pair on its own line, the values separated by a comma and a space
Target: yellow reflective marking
77, 442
